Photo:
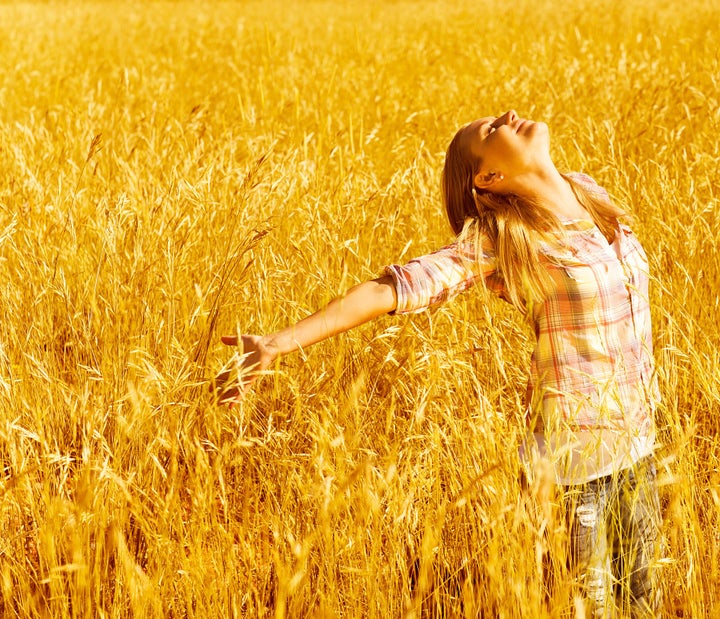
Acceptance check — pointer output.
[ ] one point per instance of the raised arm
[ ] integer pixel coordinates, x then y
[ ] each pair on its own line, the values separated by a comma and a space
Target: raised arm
359, 305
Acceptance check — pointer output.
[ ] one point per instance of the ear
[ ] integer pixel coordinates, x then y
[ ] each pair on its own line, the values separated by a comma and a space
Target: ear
484, 179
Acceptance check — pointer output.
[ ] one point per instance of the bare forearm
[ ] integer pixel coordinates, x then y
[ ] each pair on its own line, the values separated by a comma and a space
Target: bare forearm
359, 305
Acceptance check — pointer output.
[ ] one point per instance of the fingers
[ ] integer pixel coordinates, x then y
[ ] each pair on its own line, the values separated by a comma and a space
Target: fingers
227, 391
234, 393
230, 397
233, 381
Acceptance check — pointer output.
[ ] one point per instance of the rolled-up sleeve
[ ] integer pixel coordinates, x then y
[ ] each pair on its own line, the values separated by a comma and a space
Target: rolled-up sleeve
437, 277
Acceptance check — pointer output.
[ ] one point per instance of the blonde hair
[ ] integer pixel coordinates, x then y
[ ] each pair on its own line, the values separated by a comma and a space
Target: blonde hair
514, 226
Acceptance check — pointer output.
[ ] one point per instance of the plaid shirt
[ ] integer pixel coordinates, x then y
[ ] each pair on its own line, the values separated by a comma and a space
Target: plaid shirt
592, 388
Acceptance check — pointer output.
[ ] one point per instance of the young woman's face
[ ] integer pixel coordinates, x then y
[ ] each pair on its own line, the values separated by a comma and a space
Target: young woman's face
507, 143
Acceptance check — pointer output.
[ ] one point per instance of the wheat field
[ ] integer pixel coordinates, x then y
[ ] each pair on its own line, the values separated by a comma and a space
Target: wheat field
171, 172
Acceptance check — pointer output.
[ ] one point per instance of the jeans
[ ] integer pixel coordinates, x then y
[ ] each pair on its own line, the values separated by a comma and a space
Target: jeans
614, 525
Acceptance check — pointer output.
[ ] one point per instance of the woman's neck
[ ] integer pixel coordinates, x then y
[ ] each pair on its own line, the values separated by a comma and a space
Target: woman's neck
553, 191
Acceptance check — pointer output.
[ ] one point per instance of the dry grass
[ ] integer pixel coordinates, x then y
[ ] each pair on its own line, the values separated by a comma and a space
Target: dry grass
170, 172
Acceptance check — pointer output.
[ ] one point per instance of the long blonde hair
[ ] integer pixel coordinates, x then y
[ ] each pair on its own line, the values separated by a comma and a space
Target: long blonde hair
514, 226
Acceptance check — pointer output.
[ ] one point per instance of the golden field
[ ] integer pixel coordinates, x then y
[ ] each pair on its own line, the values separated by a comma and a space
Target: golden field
170, 172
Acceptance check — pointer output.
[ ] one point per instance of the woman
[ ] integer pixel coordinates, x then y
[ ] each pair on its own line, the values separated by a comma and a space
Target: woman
551, 245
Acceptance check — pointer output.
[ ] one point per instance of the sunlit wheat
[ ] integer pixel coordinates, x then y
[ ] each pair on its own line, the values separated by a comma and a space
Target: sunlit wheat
174, 171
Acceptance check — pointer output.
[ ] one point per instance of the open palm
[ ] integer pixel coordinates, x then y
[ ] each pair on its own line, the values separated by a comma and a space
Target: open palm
253, 356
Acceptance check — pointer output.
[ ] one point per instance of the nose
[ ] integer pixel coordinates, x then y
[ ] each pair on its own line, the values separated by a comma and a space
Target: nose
508, 117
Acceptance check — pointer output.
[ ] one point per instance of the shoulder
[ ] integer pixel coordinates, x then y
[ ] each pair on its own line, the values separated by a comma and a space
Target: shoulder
630, 245
468, 251
588, 183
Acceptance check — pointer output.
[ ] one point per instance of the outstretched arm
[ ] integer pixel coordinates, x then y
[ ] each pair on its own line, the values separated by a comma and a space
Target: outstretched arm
359, 305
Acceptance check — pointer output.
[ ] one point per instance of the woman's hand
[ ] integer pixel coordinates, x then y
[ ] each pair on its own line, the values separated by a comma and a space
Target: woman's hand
359, 305
254, 356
